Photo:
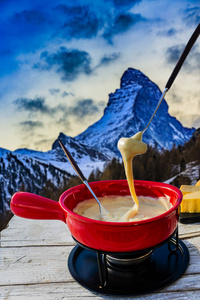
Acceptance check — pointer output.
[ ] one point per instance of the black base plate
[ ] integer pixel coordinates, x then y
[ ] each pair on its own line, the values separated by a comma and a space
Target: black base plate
160, 270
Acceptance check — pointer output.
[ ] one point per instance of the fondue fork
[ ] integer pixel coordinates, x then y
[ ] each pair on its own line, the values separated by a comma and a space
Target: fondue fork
176, 70
103, 210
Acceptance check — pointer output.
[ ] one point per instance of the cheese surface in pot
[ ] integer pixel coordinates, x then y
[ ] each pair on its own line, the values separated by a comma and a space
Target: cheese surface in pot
118, 206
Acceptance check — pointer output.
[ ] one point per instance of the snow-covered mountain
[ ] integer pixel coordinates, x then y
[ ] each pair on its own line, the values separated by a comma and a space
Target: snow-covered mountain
22, 170
128, 111
29, 170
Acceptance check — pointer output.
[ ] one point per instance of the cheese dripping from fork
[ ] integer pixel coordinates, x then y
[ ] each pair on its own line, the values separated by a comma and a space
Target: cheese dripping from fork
129, 148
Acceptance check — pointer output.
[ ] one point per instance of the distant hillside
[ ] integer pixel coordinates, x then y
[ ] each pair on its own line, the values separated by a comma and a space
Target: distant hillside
180, 165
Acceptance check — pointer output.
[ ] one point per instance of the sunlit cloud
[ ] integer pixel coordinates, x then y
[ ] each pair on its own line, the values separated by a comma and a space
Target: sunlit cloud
80, 111
43, 142
84, 108
30, 125
34, 106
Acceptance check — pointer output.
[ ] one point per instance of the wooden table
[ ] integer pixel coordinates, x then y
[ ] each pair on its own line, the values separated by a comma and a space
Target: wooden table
33, 264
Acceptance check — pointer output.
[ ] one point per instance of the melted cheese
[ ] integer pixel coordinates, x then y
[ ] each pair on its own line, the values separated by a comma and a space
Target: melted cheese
119, 206
129, 148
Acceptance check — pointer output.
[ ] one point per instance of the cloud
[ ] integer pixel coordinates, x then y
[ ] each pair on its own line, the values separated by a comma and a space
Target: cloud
80, 112
173, 53
43, 142
30, 125
121, 23
33, 105
70, 63
54, 91
188, 120
195, 63
65, 94
84, 108
38, 106
87, 21
125, 3
80, 22
192, 15
64, 121
26, 28
20, 32
108, 59
192, 62
24, 31
31, 17
176, 98
61, 114
168, 33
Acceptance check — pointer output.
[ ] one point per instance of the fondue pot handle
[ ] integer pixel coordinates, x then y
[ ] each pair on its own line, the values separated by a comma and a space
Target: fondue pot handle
31, 206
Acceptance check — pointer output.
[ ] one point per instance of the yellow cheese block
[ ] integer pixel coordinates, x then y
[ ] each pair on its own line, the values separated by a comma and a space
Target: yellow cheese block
198, 183
185, 189
191, 203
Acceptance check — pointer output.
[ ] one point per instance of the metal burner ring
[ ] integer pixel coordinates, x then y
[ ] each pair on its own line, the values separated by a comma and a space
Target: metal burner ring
128, 261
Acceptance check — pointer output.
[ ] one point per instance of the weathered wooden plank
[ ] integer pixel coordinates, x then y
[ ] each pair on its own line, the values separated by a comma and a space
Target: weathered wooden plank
189, 230
193, 245
73, 291
25, 232
27, 265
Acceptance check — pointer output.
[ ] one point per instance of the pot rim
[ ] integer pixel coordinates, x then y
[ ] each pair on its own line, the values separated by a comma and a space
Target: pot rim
123, 224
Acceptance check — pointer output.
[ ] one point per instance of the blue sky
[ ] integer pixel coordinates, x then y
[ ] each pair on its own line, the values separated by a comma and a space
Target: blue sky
60, 60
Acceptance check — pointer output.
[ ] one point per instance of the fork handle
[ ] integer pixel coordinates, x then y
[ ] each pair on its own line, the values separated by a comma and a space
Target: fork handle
72, 161
183, 56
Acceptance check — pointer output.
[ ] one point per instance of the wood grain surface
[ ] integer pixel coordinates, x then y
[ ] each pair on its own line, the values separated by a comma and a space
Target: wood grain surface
33, 264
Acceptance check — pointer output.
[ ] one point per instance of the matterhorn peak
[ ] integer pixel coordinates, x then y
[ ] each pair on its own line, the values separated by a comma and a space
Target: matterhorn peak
132, 76
128, 111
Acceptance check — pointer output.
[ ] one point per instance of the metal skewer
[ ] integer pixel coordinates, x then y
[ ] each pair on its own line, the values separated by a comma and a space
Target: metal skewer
103, 210
176, 70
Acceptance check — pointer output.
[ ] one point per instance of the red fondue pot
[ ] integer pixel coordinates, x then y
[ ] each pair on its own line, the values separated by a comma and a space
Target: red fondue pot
99, 235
